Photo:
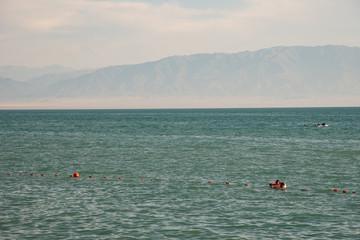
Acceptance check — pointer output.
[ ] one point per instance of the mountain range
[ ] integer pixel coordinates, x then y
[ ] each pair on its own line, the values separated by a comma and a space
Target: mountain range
282, 73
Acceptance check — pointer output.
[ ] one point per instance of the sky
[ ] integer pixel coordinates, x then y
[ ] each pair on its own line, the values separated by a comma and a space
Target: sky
100, 33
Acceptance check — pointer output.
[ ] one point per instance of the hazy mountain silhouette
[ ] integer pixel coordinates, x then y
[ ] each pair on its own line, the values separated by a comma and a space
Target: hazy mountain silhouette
280, 72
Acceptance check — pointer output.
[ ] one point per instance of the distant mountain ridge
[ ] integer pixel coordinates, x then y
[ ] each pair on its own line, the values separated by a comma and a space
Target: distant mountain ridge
23, 74
280, 72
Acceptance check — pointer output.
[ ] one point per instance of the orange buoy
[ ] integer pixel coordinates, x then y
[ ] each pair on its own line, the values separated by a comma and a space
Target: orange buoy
143, 179
10, 174
76, 175
246, 185
193, 182
56, 175
120, 178
91, 176
105, 177
345, 192
152, 180
335, 190
42, 175
32, 174
210, 182
21, 174
227, 183
354, 192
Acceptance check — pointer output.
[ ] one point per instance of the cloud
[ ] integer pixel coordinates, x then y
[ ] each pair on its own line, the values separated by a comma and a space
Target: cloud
84, 33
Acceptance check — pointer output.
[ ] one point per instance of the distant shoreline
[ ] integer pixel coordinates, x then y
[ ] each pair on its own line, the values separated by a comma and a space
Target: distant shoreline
177, 103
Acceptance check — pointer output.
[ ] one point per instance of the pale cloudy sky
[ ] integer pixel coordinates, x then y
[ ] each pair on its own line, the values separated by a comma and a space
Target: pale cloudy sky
98, 33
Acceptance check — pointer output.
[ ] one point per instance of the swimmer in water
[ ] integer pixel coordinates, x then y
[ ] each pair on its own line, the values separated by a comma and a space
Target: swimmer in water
277, 184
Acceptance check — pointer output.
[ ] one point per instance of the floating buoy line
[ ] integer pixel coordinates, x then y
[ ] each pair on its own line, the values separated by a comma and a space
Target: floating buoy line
77, 175
336, 190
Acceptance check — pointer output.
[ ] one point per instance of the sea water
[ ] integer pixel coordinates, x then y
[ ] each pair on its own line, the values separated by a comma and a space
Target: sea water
184, 174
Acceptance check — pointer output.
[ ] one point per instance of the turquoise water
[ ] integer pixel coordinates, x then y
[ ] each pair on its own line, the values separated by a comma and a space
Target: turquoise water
166, 159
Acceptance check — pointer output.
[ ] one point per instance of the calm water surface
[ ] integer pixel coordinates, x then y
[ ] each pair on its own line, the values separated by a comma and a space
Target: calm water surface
166, 159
